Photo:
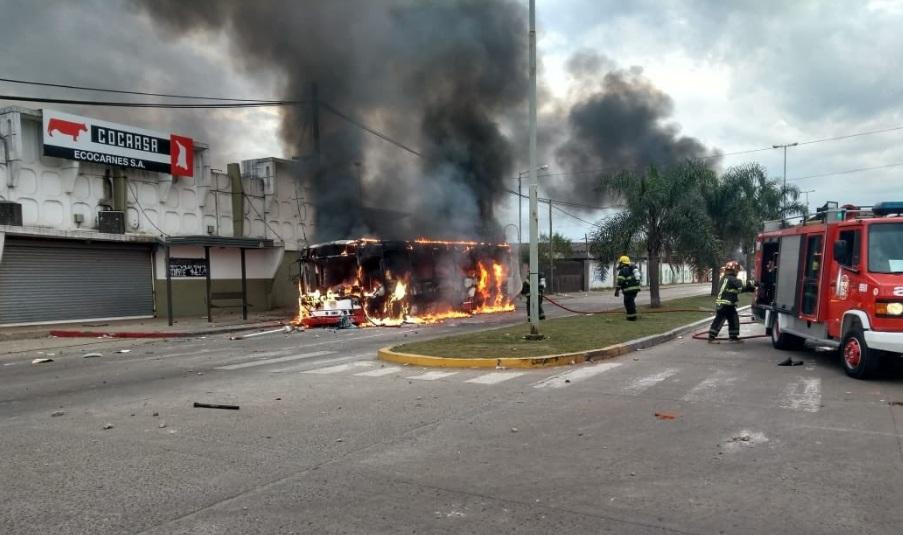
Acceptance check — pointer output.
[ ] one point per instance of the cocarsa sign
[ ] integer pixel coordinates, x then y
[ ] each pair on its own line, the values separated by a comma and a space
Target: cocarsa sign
90, 140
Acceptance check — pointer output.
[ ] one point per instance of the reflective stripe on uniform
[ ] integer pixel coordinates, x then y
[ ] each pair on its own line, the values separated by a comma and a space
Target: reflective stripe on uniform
631, 289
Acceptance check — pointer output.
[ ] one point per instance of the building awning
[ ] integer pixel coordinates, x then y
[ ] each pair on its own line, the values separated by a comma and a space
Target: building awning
219, 241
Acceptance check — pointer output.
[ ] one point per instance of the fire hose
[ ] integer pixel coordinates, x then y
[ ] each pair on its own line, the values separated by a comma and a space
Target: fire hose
701, 335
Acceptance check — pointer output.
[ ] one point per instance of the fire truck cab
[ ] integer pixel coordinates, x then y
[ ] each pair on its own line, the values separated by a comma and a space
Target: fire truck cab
835, 280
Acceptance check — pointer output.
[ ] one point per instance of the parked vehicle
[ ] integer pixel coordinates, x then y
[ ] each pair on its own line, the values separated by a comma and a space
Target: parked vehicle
836, 280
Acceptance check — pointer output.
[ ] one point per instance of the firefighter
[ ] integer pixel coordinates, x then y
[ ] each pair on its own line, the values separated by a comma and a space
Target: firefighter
726, 304
525, 291
628, 283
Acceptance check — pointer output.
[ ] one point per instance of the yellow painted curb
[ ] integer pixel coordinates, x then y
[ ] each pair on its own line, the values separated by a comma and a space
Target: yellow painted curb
563, 359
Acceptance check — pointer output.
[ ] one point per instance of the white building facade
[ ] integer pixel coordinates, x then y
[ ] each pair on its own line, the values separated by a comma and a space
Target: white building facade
85, 232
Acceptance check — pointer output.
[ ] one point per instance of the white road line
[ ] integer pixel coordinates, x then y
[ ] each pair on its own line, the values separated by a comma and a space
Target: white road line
803, 395
573, 376
432, 376
380, 372
265, 362
642, 384
301, 366
494, 378
707, 390
340, 368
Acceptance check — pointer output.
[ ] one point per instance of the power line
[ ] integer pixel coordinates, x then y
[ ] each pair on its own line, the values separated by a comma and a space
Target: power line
565, 212
155, 105
846, 172
377, 133
857, 134
125, 92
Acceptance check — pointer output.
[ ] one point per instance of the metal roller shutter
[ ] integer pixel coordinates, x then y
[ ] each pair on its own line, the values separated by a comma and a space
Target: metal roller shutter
52, 281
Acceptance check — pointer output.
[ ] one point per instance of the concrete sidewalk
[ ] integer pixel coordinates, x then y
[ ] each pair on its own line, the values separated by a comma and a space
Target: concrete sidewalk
151, 328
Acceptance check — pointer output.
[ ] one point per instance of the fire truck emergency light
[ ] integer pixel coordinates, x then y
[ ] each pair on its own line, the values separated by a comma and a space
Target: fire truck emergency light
887, 208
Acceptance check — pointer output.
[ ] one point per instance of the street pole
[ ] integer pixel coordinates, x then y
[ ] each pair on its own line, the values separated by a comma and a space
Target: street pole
551, 251
784, 187
807, 192
520, 219
534, 185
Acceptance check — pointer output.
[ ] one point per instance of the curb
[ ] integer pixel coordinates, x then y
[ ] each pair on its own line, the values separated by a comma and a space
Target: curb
545, 361
161, 334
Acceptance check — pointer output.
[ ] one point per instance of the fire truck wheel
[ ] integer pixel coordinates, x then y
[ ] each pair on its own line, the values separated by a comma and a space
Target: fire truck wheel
784, 341
858, 360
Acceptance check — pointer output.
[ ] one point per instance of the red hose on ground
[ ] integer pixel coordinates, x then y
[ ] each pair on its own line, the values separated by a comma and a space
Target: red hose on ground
619, 311
704, 335
701, 335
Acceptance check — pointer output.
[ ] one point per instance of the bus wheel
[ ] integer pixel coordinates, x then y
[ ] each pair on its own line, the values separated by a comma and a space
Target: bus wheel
858, 360
782, 340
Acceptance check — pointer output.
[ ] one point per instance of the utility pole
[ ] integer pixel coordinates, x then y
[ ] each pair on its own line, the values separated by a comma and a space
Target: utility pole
534, 186
551, 251
784, 188
806, 193
315, 119
520, 205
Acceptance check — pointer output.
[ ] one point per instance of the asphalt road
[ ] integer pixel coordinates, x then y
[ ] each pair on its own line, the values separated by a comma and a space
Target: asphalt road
328, 440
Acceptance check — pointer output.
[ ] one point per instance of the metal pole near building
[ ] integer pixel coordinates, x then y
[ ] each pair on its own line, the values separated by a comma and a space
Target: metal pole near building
168, 286
207, 261
534, 186
244, 287
551, 252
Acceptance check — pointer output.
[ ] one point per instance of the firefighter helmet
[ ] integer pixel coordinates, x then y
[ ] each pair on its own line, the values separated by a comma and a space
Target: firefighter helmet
732, 267
624, 259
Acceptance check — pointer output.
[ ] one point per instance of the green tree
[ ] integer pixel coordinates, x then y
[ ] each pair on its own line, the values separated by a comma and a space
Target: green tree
560, 245
738, 203
664, 217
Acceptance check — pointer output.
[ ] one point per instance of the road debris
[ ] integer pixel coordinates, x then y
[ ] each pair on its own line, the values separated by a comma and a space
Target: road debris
92, 355
54, 414
514, 430
156, 414
340, 440
199, 405
162, 425
108, 426
287, 329
665, 415
790, 362
41, 361
124, 351
895, 403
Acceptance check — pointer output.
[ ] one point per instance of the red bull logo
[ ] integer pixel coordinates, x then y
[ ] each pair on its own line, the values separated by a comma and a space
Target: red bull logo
66, 128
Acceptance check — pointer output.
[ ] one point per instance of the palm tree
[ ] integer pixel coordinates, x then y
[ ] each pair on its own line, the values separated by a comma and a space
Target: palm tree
664, 217
738, 204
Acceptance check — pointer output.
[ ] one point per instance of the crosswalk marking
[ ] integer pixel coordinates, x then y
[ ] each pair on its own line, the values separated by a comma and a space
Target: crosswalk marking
265, 362
573, 376
803, 395
494, 378
708, 389
340, 367
379, 373
432, 376
644, 383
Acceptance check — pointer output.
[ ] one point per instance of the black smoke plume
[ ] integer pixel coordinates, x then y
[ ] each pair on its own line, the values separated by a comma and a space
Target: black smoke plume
440, 76
617, 122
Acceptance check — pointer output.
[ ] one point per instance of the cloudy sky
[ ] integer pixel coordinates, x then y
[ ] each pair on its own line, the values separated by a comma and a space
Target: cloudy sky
741, 76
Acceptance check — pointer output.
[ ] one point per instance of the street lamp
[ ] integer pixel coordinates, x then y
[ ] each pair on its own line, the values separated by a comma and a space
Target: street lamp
784, 189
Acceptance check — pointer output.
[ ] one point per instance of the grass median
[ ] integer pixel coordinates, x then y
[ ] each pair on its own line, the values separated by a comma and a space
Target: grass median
566, 335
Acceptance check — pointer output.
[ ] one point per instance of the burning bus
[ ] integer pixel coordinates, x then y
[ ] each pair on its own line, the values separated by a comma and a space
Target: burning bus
389, 283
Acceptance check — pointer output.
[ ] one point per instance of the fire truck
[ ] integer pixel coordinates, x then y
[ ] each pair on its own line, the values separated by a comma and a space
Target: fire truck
835, 280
